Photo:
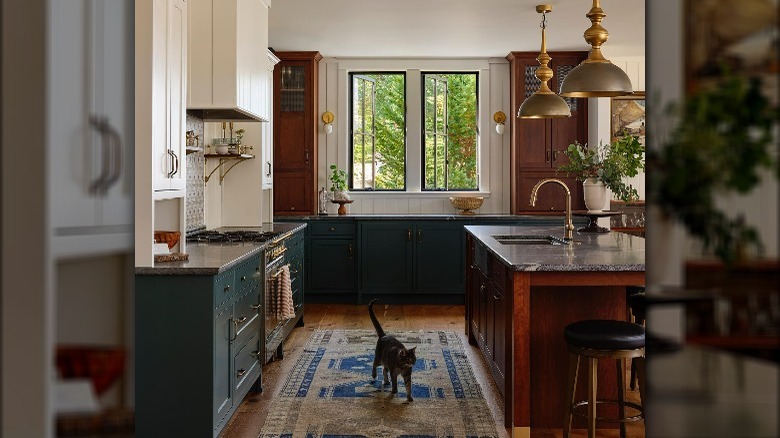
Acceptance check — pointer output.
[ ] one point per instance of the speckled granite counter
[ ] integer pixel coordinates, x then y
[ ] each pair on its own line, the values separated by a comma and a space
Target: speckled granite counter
587, 252
213, 258
419, 216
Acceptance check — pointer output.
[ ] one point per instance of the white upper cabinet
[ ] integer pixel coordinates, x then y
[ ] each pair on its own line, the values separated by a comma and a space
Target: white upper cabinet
267, 154
227, 59
90, 127
169, 85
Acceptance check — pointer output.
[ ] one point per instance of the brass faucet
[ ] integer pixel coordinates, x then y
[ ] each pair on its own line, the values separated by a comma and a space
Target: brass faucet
568, 227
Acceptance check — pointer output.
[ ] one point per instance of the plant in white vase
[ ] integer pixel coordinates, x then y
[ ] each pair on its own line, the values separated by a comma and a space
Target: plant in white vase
606, 166
338, 183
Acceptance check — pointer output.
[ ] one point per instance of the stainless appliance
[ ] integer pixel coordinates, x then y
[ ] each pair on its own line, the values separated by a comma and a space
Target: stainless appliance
274, 261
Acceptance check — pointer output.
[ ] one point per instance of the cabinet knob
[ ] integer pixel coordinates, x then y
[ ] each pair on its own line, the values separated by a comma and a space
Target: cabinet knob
227, 288
243, 278
332, 228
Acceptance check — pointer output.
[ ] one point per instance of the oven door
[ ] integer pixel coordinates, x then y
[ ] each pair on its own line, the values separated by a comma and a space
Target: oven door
272, 324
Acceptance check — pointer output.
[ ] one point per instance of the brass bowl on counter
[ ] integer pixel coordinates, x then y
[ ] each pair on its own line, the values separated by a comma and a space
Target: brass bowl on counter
466, 203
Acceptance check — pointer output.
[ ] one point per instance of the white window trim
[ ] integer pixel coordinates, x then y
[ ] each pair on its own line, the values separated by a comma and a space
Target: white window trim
413, 69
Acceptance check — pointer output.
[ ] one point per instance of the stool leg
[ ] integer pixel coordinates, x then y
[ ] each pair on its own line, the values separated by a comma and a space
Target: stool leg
571, 388
592, 385
633, 374
621, 381
640, 371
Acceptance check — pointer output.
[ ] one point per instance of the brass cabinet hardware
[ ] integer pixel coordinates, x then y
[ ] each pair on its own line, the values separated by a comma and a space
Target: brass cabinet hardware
409, 235
419, 236
241, 320
256, 306
227, 288
243, 278
332, 229
240, 372
255, 353
350, 250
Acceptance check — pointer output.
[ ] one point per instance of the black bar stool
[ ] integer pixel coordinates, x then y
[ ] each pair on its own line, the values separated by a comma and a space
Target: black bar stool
602, 339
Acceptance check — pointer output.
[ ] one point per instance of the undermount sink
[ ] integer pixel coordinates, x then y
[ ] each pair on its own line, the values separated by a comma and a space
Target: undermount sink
522, 239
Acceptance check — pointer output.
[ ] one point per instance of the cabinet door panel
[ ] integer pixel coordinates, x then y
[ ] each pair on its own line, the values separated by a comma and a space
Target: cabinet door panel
332, 266
223, 364
386, 255
439, 258
499, 337
292, 193
534, 135
474, 301
291, 151
177, 90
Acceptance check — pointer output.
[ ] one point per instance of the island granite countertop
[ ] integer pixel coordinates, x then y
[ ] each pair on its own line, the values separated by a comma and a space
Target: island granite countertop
213, 258
587, 252
428, 216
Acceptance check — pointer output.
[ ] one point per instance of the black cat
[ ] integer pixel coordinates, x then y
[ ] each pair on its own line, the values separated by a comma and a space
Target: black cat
393, 356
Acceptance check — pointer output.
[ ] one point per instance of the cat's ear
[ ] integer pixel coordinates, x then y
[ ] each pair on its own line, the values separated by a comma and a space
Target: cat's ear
411, 350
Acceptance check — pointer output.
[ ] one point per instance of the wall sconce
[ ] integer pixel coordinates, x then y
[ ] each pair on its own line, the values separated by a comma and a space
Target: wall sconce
327, 119
499, 117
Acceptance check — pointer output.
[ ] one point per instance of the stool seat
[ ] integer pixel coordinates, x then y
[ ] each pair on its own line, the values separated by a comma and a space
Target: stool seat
598, 334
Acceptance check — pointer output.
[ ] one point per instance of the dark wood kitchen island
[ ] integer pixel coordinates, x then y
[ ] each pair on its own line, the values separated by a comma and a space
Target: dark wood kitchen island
520, 296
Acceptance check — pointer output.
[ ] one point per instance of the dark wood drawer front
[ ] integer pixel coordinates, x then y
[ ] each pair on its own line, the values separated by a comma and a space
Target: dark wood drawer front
497, 273
332, 228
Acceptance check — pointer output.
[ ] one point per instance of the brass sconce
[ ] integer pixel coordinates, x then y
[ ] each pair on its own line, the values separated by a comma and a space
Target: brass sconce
327, 119
499, 117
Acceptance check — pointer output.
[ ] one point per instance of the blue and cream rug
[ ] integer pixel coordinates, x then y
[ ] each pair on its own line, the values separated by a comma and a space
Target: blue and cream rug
330, 394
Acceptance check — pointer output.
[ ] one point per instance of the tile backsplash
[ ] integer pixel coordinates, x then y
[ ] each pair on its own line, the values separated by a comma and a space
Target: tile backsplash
195, 215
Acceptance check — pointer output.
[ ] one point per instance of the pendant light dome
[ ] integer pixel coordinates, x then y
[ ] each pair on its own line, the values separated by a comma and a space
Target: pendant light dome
596, 76
544, 103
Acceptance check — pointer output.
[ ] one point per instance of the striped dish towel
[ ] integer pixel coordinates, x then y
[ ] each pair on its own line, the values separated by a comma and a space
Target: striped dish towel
285, 308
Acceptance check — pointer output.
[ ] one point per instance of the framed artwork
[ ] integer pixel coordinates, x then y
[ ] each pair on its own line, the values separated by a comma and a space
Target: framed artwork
739, 37
628, 116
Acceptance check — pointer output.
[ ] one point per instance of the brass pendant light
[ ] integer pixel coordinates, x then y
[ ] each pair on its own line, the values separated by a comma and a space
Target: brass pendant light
596, 76
544, 103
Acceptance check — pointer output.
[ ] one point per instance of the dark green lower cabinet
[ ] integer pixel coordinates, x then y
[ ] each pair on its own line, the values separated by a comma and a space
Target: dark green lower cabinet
386, 255
439, 257
223, 365
332, 269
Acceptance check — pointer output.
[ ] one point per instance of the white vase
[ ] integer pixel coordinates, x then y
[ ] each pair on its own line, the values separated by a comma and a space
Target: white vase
595, 193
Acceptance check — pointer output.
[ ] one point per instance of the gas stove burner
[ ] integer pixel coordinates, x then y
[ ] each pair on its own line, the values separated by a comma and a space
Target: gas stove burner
213, 236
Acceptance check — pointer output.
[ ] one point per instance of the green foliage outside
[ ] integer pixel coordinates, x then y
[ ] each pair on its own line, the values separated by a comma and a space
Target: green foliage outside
457, 117
387, 140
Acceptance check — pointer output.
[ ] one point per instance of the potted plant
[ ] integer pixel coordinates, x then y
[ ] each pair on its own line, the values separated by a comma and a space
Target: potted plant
338, 183
720, 143
606, 167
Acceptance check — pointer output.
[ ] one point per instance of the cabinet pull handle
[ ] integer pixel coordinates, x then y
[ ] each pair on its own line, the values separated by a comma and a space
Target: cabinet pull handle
293, 271
555, 155
115, 140
482, 288
255, 353
227, 288
496, 297
350, 251
257, 268
269, 168
546, 155
332, 228
409, 235
170, 172
256, 306
419, 236
241, 320
307, 156
176, 163
99, 185
240, 372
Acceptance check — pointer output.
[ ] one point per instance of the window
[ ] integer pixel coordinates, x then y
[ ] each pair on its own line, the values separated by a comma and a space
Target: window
450, 131
378, 131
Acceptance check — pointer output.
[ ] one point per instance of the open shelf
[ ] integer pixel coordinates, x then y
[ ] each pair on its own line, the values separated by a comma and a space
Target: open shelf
226, 163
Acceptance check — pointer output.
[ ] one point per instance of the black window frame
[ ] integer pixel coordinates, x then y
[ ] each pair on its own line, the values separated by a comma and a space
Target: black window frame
422, 130
351, 142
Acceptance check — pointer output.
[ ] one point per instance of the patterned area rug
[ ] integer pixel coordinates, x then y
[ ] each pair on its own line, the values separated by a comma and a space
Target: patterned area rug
330, 394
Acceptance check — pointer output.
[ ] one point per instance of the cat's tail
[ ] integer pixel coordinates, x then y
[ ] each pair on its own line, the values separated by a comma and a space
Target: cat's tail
377, 326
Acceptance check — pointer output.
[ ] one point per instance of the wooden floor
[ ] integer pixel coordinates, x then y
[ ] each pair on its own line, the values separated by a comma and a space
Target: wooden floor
249, 419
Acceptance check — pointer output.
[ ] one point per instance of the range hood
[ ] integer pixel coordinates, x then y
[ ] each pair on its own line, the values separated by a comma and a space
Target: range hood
227, 68
225, 115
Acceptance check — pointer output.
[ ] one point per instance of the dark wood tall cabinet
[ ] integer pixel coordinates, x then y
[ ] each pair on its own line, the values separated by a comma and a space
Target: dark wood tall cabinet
295, 133
538, 144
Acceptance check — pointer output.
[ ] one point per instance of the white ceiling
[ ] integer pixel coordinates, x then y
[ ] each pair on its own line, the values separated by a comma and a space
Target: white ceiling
448, 28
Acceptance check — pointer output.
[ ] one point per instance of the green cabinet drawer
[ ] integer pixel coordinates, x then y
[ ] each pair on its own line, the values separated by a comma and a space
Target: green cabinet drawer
246, 364
224, 288
245, 331
246, 310
331, 228
248, 273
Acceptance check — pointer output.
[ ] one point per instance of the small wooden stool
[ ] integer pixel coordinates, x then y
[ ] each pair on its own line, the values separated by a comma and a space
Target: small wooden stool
602, 339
